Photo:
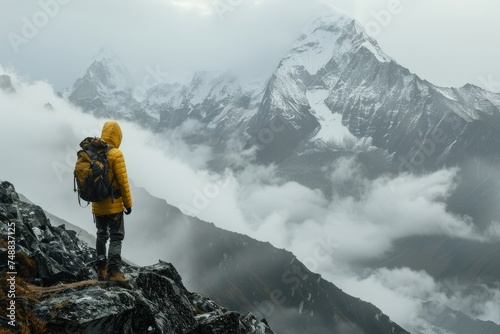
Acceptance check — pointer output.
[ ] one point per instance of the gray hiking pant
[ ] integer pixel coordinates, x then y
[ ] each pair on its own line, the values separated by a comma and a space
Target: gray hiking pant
110, 227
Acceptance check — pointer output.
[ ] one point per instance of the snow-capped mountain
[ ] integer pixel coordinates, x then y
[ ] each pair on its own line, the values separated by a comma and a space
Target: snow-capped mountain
305, 78
336, 93
313, 66
105, 89
215, 99
334, 89
336, 83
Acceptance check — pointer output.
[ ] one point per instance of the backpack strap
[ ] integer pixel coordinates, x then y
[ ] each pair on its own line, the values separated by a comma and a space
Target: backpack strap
108, 148
77, 194
112, 189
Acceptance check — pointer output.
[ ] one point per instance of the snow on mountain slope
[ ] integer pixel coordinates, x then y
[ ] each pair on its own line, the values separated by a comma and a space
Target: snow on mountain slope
373, 95
332, 129
479, 100
319, 61
201, 86
373, 47
163, 96
447, 93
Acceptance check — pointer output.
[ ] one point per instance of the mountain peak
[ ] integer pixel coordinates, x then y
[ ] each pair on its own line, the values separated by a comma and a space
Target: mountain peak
331, 37
105, 54
108, 71
334, 19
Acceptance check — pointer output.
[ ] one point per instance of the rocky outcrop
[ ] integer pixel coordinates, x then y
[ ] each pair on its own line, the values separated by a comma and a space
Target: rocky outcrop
158, 303
57, 291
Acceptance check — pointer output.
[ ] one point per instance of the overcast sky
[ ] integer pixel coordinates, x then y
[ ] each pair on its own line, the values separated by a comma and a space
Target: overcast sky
448, 42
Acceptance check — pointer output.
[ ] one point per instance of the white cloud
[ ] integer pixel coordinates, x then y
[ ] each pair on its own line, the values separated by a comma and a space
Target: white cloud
295, 217
402, 292
479, 302
383, 289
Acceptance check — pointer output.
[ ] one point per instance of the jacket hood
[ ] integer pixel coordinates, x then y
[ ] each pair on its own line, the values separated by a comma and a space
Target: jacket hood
112, 134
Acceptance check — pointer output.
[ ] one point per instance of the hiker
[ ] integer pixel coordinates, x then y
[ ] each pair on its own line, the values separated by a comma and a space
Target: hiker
108, 213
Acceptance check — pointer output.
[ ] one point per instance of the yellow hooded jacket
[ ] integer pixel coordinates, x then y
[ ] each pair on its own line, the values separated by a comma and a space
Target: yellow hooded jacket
112, 135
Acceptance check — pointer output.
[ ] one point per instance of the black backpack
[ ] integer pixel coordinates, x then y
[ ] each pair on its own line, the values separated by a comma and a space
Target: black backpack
91, 179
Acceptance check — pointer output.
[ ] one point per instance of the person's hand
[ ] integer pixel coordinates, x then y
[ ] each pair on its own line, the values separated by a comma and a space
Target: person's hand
128, 211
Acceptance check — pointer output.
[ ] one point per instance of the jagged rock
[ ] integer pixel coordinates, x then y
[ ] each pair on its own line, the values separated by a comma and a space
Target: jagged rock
155, 305
217, 324
59, 256
8, 194
232, 321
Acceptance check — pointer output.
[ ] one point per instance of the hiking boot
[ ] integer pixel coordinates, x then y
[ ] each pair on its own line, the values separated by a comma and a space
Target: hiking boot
120, 279
102, 273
